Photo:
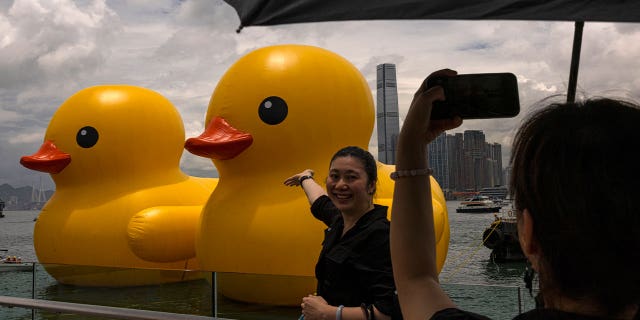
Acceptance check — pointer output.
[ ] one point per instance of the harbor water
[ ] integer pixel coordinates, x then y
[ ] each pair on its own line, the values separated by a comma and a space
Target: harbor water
473, 281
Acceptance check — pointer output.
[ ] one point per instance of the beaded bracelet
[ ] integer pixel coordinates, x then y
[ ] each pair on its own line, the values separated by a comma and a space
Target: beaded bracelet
339, 312
410, 173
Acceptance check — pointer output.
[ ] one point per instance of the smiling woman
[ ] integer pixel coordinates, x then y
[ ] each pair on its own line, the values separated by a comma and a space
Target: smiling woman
354, 268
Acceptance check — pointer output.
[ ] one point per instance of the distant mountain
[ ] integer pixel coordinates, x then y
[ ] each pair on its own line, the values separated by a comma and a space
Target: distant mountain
20, 198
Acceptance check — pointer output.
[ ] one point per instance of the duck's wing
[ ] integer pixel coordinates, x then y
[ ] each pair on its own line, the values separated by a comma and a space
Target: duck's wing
164, 233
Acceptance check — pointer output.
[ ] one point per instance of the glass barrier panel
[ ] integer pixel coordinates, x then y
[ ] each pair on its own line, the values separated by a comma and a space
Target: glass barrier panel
495, 302
225, 295
191, 296
261, 297
17, 282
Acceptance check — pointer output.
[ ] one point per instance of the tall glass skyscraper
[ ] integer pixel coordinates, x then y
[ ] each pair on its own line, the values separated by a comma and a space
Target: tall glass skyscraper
474, 159
387, 113
439, 161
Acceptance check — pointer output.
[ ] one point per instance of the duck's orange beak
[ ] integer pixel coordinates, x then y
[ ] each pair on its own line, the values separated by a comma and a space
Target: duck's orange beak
48, 159
219, 141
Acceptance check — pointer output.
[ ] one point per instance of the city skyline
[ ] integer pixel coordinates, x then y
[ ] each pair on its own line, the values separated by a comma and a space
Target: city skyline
181, 49
466, 161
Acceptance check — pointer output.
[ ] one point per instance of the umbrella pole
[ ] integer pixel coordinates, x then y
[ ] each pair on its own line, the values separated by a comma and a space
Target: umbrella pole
575, 61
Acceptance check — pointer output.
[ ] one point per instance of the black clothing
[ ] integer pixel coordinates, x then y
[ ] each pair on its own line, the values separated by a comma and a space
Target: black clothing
548, 314
457, 314
356, 268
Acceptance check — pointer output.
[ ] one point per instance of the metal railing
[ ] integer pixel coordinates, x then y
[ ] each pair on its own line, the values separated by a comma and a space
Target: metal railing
94, 310
198, 300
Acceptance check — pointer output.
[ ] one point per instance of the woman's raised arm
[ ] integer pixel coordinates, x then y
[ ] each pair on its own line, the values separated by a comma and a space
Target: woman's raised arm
413, 252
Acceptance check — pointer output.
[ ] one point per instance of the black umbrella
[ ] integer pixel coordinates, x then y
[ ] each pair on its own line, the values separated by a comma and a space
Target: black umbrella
274, 12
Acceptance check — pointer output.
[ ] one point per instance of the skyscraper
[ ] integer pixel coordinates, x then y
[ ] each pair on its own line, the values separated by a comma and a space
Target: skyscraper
439, 160
474, 161
387, 113
455, 146
466, 162
495, 156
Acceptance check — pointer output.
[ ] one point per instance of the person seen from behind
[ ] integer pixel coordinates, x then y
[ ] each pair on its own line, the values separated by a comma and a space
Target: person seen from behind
574, 180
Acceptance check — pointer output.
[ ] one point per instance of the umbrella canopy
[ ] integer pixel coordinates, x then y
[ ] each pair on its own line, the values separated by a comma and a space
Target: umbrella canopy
274, 12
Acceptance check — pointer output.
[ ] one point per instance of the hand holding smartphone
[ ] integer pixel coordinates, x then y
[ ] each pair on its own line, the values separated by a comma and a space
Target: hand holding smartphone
477, 96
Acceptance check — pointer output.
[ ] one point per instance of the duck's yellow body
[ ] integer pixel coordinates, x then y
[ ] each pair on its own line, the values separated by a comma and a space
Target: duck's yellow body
121, 200
275, 112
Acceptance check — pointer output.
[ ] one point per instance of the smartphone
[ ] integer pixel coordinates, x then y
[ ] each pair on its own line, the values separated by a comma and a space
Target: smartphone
477, 96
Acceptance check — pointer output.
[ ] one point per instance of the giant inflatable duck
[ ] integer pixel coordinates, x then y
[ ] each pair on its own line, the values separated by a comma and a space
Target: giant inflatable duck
277, 111
121, 200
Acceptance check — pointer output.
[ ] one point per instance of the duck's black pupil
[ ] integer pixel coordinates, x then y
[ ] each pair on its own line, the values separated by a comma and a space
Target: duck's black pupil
273, 110
87, 137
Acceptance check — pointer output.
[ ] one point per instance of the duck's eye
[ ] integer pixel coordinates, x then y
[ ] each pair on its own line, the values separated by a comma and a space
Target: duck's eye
273, 110
87, 137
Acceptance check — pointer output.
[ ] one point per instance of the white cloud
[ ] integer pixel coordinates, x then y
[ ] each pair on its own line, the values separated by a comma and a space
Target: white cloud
194, 128
8, 116
26, 138
53, 41
543, 87
7, 32
50, 49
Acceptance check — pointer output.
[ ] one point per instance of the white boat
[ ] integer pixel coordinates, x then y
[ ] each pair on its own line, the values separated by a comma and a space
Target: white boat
497, 194
478, 204
10, 264
11, 267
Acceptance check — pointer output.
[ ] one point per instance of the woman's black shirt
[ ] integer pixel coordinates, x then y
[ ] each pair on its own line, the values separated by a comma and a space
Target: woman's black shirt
356, 268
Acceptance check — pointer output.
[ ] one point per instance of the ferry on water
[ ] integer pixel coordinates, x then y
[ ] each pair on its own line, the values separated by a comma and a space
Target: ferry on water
478, 204
498, 193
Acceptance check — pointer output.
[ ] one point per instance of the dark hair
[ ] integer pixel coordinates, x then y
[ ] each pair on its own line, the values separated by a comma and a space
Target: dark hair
575, 169
368, 162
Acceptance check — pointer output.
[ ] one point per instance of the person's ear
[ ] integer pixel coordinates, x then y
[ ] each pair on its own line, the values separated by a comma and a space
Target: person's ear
528, 242
371, 189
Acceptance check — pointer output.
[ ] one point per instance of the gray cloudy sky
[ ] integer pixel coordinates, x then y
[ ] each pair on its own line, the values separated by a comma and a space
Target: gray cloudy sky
51, 49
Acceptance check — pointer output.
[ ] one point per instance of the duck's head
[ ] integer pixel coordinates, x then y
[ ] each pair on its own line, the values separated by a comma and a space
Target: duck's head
283, 105
105, 133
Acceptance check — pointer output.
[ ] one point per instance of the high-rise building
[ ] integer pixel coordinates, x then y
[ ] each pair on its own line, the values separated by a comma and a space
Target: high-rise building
439, 160
387, 117
474, 161
466, 162
455, 145
495, 156
506, 175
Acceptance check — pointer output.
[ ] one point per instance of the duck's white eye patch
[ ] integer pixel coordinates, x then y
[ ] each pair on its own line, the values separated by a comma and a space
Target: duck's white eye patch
273, 110
87, 137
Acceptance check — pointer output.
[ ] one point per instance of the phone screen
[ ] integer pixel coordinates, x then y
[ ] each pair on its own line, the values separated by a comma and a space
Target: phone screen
477, 96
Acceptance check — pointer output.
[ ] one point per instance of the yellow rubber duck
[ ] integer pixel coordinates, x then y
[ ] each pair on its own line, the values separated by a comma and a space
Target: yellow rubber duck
277, 110
121, 199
